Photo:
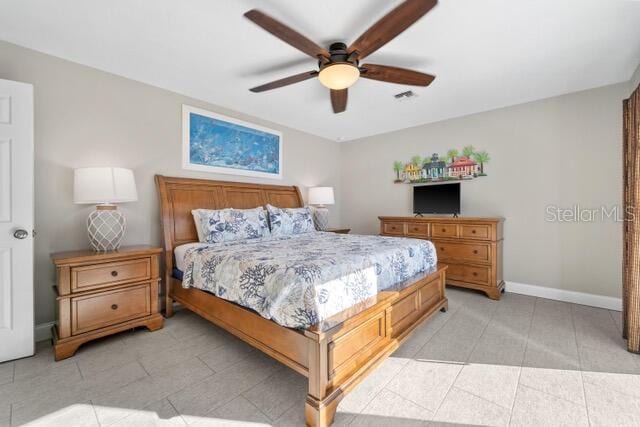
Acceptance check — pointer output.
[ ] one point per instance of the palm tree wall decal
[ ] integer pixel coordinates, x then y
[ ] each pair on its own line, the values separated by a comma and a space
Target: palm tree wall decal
397, 167
468, 151
452, 154
481, 157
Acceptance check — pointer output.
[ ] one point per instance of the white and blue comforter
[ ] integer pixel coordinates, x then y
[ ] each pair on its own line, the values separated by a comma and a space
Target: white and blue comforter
303, 279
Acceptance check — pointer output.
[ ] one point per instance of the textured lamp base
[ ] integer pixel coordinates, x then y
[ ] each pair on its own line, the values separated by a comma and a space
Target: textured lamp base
321, 218
106, 226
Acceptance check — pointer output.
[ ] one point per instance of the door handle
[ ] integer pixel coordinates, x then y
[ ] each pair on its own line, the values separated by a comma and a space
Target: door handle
21, 234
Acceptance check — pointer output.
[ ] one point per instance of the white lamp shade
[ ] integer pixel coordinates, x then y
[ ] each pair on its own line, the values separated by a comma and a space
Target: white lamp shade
104, 185
321, 196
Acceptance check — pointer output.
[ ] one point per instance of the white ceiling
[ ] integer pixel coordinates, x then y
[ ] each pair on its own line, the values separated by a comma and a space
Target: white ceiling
486, 54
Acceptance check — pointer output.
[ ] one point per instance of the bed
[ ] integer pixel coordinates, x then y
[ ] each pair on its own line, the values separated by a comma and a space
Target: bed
336, 310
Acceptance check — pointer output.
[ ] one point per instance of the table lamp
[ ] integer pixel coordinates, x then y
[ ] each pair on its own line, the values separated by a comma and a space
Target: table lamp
104, 187
320, 197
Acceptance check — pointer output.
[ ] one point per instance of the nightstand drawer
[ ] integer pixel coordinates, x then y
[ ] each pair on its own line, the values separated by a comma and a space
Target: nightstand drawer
111, 307
109, 274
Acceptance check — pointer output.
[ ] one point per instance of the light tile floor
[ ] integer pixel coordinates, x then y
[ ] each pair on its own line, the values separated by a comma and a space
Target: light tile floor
519, 361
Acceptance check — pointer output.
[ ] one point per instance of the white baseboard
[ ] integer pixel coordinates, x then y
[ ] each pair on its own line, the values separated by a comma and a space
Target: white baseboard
43, 331
582, 298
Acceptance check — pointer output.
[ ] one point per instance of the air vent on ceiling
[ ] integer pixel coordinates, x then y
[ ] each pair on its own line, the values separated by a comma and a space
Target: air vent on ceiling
403, 96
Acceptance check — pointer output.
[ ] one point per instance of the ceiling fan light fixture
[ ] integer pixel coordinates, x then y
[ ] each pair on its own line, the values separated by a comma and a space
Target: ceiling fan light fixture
339, 75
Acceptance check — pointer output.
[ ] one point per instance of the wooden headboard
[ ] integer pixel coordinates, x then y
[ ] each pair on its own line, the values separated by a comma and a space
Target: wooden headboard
178, 196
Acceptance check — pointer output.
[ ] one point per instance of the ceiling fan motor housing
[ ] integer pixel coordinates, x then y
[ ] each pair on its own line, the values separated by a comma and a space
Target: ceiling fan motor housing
339, 54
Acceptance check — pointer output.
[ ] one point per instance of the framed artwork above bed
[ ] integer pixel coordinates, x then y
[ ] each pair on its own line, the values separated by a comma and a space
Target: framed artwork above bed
215, 143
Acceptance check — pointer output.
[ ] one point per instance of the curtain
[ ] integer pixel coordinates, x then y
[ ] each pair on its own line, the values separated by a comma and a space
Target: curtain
631, 230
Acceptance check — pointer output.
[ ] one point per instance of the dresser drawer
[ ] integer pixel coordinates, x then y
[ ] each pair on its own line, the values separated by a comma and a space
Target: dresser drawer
478, 252
417, 230
444, 230
109, 274
395, 228
480, 232
107, 308
478, 274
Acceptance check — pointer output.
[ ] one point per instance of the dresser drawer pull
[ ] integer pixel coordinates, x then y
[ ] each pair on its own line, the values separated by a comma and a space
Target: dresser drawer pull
473, 231
114, 306
444, 229
114, 273
416, 229
475, 251
442, 249
474, 273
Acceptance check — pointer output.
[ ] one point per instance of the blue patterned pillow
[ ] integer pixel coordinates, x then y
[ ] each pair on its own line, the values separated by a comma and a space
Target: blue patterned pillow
228, 225
290, 221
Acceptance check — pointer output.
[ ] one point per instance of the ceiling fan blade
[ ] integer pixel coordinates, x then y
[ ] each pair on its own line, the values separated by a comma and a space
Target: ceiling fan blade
389, 74
285, 82
392, 24
286, 34
339, 100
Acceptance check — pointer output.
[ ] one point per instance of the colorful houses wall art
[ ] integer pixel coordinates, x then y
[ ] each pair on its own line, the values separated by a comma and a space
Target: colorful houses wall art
455, 165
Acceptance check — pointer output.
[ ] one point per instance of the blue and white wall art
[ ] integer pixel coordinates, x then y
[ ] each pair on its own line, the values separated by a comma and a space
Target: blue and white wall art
215, 143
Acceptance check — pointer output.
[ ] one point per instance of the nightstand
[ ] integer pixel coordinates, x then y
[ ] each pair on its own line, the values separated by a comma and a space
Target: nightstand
338, 230
102, 293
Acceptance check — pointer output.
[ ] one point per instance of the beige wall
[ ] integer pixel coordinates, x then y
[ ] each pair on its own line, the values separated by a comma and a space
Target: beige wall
560, 151
635, 79
85, 117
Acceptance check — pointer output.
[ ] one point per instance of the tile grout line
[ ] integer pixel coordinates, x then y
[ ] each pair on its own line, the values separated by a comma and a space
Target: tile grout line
95, 413
242, 394
465, 363
550, 395
176, 409
584, 391
524, 355
437, 330
384, 387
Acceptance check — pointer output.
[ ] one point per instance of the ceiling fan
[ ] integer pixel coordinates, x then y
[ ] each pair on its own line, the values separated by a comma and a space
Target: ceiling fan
339, 66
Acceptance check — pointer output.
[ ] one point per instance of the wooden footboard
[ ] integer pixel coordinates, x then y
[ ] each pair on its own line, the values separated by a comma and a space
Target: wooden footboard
338, 353
344, 354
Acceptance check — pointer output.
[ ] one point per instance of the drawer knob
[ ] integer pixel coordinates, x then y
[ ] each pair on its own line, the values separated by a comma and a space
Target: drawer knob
474, 273
114, 306
444, 229
114, 273
475, 251
415, 228
473, 231
442, 249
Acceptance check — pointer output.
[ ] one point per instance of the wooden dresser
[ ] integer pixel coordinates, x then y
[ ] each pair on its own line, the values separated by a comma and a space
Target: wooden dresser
470, 247
101, 293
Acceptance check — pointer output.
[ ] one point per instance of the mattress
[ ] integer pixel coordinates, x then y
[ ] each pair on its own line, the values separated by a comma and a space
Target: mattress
180, 251
300, 280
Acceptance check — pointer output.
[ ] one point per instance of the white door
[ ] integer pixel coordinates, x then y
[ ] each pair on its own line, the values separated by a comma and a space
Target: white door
16, 220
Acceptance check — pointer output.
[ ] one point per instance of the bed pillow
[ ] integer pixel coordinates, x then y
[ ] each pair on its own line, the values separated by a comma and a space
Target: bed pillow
289, 221
197, 221
228, 225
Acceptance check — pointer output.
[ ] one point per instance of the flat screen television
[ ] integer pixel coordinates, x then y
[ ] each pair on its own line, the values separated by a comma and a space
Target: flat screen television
437, 199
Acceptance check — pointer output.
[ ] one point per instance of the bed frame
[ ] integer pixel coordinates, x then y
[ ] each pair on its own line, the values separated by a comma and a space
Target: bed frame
334, 355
